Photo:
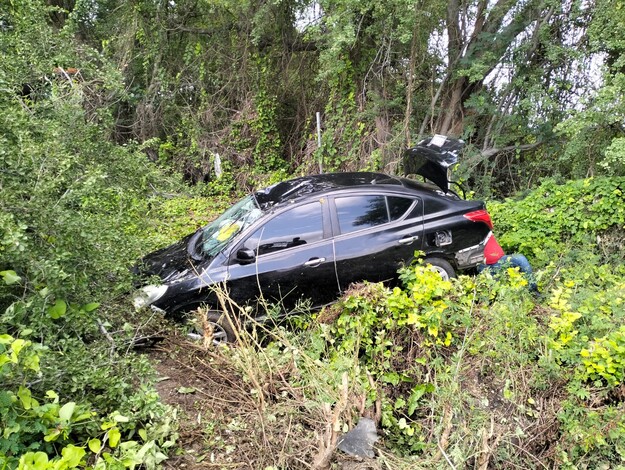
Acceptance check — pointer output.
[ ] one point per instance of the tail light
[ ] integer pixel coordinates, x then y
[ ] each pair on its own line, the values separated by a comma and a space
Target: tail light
480, 216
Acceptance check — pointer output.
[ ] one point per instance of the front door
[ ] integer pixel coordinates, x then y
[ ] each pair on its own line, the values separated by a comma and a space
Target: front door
293, 260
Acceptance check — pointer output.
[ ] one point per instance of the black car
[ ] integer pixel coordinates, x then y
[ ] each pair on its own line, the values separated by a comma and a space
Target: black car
310, 238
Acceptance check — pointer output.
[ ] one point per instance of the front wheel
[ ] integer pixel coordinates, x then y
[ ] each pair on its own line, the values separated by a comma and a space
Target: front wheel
442, 267
214, 323
221, 326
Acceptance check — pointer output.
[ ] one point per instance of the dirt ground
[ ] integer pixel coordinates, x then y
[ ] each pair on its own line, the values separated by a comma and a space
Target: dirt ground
207, 397
225, 424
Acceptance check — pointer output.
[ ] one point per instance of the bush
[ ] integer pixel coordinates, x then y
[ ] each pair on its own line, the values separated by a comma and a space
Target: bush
72, 219
555, 216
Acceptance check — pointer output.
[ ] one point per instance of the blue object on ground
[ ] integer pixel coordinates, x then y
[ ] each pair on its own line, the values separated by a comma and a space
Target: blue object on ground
515, 260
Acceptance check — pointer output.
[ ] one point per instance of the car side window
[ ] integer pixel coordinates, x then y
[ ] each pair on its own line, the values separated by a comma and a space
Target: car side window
397, 206
359, 212
298, 226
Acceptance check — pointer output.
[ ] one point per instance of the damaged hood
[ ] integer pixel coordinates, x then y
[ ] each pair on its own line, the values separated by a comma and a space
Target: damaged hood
170, 263
432, 157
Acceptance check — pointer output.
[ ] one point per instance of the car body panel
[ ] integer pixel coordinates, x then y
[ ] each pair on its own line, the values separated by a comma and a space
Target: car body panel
285, 191
375, 253
286, 277
197, 286
289, 266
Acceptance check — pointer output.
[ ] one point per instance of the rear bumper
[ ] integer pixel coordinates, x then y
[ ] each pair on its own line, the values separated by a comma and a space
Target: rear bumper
471, 256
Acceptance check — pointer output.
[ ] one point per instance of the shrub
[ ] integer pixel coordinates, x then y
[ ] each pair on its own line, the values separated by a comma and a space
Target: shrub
554, 215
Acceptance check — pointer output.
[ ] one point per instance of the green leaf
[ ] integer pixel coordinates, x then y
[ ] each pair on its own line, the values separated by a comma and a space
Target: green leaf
6, 339
10, 277
13, 429
107, 425
114, 437
84, 416
57, 310
34, 460
16, 348
72, 455
24, 395
90, 306
66, 411
184, 390
118, 418
52, 435
95, 445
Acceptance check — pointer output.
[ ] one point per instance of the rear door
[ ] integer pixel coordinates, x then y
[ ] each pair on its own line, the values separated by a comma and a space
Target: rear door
374, 235
294, 259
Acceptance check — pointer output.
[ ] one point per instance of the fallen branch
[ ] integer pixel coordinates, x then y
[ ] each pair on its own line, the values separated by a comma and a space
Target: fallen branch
491, 152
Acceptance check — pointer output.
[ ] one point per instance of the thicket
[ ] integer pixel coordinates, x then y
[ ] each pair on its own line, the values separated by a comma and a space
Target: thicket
240, 82
473, 372
72, 219
104, 104
556, 217
70, 226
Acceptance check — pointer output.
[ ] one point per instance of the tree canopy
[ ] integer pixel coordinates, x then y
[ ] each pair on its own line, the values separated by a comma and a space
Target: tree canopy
522, 83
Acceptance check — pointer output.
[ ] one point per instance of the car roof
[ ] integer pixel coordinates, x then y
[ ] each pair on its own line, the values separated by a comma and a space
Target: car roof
315, 184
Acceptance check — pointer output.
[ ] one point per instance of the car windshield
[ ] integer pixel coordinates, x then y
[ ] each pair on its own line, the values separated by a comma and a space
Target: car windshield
217, 234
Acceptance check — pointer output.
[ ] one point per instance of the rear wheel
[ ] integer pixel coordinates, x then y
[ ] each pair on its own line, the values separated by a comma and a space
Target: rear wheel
441, 266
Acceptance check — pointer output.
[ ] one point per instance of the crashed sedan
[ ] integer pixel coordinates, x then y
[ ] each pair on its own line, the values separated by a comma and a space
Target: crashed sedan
310, 238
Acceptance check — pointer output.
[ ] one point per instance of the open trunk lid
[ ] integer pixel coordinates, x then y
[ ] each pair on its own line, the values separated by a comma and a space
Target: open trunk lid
432, 157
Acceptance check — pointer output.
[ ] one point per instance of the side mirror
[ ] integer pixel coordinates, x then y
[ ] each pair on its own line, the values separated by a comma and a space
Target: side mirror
245, 255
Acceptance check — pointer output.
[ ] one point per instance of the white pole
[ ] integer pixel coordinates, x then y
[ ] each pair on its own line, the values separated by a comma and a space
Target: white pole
319, 141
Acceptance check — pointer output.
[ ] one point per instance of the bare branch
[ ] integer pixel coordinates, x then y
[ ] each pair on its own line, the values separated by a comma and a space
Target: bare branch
495, 151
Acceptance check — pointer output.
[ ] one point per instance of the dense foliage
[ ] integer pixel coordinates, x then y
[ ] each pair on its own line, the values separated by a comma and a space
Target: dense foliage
110, 108
555, 217
480, 370
533, 86
477, 371
72, 209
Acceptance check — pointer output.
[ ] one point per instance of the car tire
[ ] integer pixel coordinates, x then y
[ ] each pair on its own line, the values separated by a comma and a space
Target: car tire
441, 266
223, 330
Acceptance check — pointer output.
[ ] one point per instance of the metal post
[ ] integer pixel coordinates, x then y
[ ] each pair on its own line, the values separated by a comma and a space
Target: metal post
319, 142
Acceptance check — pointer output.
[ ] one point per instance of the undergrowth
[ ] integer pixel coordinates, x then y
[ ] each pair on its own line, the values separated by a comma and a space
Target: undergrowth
475, 372
472, 372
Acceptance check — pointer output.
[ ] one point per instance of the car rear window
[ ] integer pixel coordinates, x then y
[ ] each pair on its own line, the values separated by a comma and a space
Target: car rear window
398, 206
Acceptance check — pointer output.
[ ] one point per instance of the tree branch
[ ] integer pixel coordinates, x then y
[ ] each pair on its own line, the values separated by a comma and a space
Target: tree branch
495, 151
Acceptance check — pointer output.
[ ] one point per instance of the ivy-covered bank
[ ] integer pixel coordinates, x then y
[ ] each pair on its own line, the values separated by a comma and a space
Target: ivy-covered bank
106, 106
476, 371
72, 218
555, 217
481, 371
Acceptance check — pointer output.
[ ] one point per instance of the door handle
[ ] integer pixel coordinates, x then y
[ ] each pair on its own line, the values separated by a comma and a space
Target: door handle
408, 240
313, 262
